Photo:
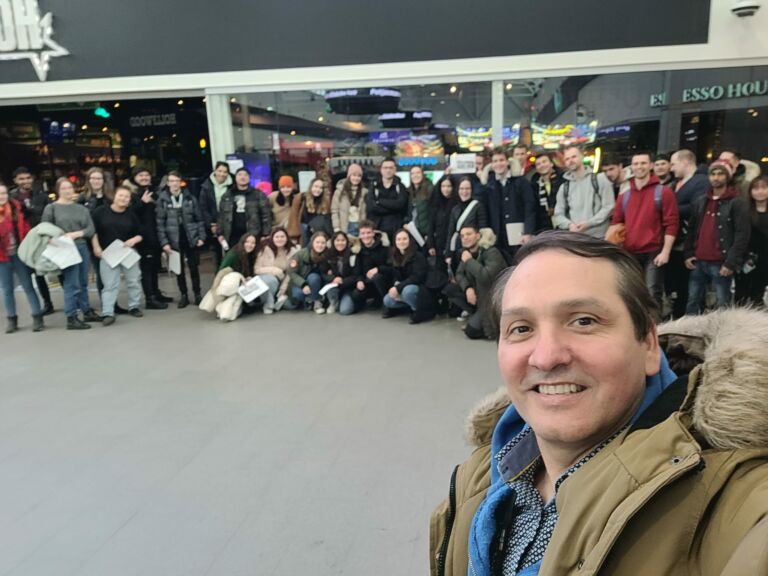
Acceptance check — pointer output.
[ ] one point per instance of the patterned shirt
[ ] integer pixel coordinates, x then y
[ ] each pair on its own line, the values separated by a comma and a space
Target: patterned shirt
533, 525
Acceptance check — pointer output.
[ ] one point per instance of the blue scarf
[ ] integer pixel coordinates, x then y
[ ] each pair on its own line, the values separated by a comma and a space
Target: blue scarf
510, 425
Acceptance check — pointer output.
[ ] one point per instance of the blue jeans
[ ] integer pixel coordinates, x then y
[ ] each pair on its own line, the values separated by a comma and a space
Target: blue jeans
75, 283
347, 306
353, 228
315, 283
268, 298
408, 298
24, 275
701, 276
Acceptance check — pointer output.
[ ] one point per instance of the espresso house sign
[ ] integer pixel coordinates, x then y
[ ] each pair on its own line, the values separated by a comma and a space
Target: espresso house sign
716, 92
25, 35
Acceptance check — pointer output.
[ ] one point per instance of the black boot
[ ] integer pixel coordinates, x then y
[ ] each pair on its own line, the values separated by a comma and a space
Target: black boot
91, 316
74, 323
37, 323
183, 301
155, 304
120, 310
198, 298
13, 324
48, 308
163, 298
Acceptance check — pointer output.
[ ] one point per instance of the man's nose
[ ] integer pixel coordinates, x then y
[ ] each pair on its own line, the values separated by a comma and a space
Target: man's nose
550, 350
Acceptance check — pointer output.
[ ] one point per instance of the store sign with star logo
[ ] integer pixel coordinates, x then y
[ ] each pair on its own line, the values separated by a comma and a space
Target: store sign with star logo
25, 35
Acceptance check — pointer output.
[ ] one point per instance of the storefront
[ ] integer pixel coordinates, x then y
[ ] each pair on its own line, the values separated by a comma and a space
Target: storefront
362, 89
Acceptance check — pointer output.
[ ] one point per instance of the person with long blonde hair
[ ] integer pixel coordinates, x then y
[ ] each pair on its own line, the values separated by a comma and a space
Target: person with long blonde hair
311, 212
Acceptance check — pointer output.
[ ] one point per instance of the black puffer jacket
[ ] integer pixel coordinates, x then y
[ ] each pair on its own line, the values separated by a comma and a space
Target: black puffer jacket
734, 226
33, 204
440, 209
344, 265
257, 211
168, 220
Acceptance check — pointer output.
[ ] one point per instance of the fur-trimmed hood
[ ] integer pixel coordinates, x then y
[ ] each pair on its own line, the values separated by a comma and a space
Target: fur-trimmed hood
727, 352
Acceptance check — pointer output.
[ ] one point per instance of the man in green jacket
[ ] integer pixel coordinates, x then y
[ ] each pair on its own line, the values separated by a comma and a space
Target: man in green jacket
470, 291
596, 459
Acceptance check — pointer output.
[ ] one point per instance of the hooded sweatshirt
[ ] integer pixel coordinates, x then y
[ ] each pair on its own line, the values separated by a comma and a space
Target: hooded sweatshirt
582, 203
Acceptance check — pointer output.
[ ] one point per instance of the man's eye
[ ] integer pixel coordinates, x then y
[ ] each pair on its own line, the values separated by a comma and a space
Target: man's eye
518, 330
585, 321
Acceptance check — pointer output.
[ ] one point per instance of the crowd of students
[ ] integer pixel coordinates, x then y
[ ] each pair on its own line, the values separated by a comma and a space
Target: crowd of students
420, 249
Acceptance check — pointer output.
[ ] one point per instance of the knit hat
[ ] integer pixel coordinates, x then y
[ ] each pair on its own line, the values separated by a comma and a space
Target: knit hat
723, 166
285, 181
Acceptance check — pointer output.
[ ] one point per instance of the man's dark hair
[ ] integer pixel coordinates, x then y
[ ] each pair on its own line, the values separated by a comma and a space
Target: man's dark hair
388, 159
220, 163
612, 160
175, 173
366, 224
498, 150
643, 153
469, 225
519, 146
662, 157
22, 170
243, 170
630, 278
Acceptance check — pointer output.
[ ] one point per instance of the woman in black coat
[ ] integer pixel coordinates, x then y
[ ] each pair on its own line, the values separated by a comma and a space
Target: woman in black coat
441, 203
408, 269
467, 212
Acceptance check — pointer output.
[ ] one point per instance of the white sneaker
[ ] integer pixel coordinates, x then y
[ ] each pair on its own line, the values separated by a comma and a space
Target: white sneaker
319, 308
331, 309
463, 317
269, 311
280, 302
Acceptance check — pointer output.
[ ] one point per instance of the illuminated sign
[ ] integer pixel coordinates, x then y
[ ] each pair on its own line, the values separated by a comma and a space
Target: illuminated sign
152, 120
24, 34
715, 92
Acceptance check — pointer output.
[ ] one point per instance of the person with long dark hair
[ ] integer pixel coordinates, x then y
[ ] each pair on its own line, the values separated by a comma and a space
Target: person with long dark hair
348, 205
281, 201
408, 267
75, 220
241, 258
752, 282
344, 273
441, 204
13, 229
273, 265
309, 272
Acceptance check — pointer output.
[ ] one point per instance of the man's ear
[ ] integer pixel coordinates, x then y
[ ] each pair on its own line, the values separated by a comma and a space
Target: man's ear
652, 353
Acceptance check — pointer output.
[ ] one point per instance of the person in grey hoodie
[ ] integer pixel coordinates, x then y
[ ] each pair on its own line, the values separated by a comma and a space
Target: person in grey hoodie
585, 200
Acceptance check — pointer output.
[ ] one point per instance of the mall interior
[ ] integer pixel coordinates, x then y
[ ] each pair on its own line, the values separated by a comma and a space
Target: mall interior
175, 444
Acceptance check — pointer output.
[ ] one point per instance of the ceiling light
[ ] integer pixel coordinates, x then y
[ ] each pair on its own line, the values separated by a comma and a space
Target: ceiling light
293, 132
180, 102
117, 104
84, 127
321, 118
433, 94
509, 85
233, 99
453, 89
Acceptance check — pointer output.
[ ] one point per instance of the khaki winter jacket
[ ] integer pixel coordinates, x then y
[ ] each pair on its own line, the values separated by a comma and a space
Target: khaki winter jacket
280, 214
685, 493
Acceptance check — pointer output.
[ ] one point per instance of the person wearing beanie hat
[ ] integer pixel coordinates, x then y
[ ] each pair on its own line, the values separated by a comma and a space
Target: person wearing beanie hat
243, 209
663, 169
717, 240
280, 201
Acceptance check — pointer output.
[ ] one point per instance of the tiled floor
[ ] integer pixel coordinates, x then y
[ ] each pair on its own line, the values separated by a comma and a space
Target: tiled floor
178, 445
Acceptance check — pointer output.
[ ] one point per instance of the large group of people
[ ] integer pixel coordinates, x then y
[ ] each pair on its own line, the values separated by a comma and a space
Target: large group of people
420, 249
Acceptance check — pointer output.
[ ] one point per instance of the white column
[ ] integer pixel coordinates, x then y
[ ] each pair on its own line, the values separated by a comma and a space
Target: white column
220, 129
497, 111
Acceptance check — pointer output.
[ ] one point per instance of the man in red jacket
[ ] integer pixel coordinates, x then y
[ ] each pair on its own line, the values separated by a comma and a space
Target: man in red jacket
649, 212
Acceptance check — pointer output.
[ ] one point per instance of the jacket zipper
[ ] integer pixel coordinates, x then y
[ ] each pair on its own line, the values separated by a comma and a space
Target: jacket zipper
443, 552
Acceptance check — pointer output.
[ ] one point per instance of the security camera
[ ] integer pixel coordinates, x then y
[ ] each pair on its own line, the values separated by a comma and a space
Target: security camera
745, 8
